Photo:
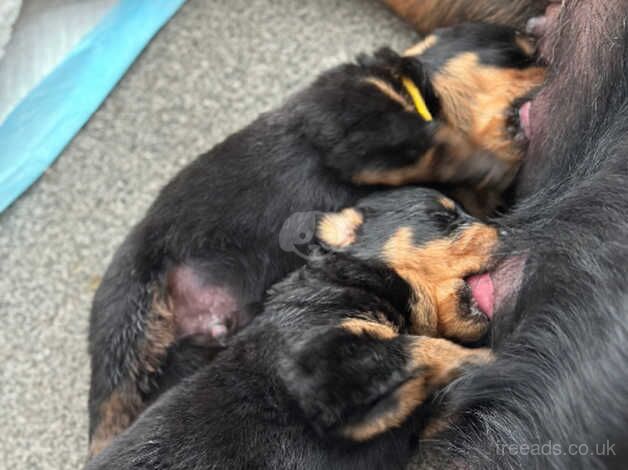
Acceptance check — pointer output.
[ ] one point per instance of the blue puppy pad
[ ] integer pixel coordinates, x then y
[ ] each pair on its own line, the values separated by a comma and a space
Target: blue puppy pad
45, 121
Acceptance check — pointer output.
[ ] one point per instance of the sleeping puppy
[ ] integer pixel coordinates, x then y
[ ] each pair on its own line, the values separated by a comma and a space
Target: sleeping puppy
194, 270
348, 348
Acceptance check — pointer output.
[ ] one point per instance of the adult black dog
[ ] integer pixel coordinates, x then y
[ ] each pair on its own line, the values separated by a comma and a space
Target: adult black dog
198, 264
334, 372
557, 396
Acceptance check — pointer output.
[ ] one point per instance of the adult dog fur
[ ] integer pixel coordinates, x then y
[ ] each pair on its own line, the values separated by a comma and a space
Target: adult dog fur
557, 395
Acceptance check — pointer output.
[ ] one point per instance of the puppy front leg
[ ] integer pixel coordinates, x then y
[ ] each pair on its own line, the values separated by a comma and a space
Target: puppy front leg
432, 363
446, 157
362, 378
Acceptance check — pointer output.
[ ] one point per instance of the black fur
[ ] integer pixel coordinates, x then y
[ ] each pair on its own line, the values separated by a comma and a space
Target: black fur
561, 379
280, 396
222, 214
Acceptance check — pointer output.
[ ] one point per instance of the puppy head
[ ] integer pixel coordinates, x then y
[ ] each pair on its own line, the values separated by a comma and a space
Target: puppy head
480, 73
427, 241
471, 79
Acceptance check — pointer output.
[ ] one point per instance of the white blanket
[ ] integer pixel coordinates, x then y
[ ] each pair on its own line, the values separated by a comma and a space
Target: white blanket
45, 32
9, 9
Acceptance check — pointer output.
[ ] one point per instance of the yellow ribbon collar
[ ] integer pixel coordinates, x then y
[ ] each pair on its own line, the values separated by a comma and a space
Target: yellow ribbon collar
417, 99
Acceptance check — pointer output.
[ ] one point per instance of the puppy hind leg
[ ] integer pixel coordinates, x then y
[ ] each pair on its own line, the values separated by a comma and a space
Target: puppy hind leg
205, 311
134, 328
130, 333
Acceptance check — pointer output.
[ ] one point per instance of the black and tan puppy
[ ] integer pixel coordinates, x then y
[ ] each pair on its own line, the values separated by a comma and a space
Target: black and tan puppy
335, 371
198, 264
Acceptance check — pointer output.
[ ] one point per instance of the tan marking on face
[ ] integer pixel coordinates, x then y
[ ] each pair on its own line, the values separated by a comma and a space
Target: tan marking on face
475, 99
116, 414
338, 230
390, 92
421, 47
374, 329
436, 362
435, 272
447, 203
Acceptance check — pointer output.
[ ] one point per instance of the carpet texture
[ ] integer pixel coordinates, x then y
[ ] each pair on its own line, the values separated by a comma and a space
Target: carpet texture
209, 72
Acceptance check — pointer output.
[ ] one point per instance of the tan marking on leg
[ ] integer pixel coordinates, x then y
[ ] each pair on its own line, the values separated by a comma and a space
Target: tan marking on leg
453, 159
408, 397
159, 336
421, 47
339, 229
436, 362
439, 360
390, 92
124, 405
435, 427
419, 172
436, 272
116, 414
364, 327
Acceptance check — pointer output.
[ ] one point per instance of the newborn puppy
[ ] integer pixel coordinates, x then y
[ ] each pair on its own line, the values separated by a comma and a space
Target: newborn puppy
335, 371
194, 270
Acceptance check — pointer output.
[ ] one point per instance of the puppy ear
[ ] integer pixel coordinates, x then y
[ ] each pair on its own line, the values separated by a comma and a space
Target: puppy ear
384, 58
339, 230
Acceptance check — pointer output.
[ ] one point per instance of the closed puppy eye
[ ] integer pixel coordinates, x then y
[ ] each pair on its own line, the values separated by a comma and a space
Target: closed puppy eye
448, 220
445, 219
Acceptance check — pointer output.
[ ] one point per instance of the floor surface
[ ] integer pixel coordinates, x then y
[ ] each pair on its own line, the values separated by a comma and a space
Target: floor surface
210, 71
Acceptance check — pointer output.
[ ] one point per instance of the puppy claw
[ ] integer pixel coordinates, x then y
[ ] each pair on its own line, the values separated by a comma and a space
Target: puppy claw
537, 26
218, 331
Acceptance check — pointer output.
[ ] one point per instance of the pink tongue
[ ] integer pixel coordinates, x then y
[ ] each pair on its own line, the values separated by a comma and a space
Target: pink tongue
482, 289
524, 118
